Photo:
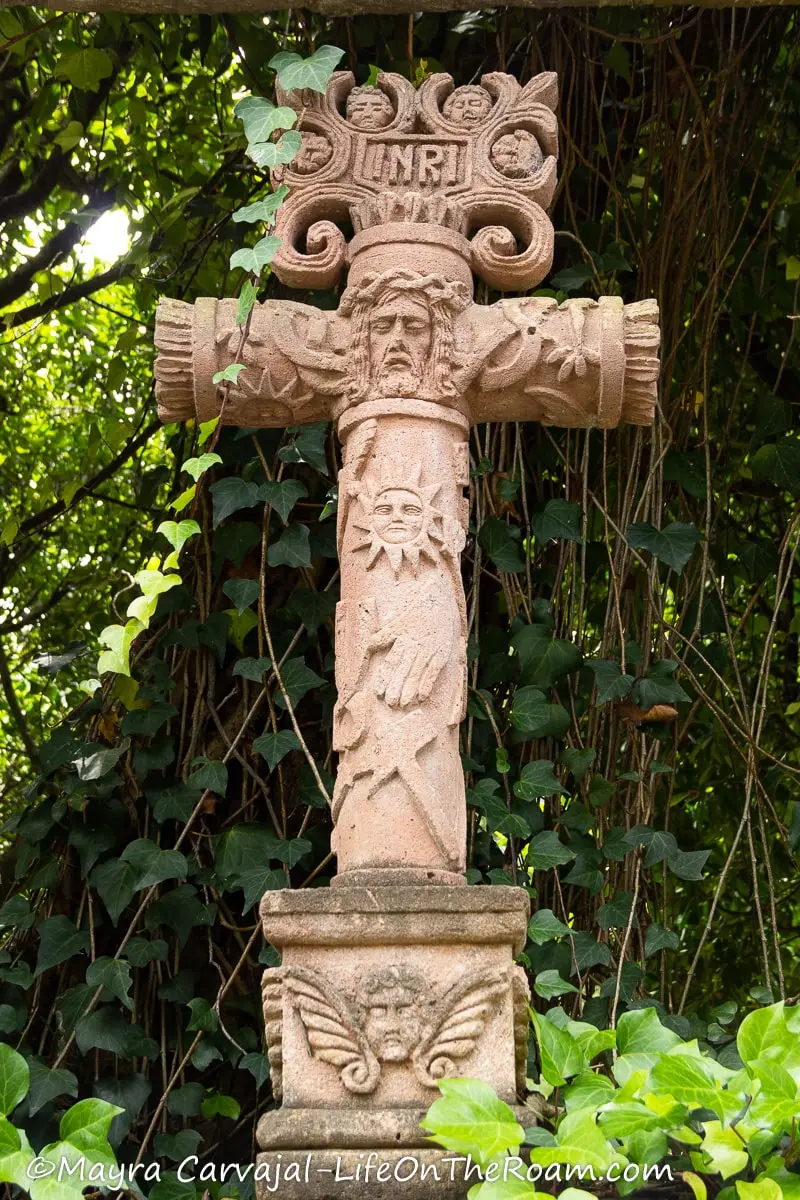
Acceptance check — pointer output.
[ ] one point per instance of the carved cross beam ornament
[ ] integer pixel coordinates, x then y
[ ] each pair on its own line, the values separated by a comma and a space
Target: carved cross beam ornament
440, 184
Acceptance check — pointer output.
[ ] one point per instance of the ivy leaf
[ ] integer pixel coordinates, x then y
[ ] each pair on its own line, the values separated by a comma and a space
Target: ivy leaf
292, 548
295, 73
115, 880
560, 519
298, 679
197, 467
261, 210
217, 1105
46, 1085
282, 495
611, 683
204, 1018
246, 301
260, 118
572, 278
560, 1055
657, 686
313, 608
210, 775
253, 669
255, 258
275, 746
616, 914
242, 592
577, 761
180, 910
469, 1118
59, 939
84, 68
544, 659
657, 938
688, 864
544, 926
549, 984
641, 1032
255, 882
779, 463
153, 865
274, 154
673, 545
231, 495
96, 762
113, 974
178, 533
502, 543
107, 1029
14, 1079
257, 1065
537, 781
546, 851
230, 374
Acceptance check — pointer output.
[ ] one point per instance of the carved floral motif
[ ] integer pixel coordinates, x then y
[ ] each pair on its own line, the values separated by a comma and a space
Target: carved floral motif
394, 1017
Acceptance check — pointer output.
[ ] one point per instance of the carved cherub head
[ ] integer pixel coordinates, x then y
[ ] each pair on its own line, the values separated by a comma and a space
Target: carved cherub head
516, 155
402, 335
314, 153
369, 108
467, 105
399, 519
393, 1004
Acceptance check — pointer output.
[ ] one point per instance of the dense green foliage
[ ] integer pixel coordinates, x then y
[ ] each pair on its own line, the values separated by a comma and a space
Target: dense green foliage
631, 745
664, 1111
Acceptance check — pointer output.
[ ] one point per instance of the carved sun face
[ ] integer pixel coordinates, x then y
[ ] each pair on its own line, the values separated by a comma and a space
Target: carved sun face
400, 521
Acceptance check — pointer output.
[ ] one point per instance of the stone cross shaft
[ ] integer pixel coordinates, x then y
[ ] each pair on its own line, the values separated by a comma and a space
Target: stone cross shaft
440, 184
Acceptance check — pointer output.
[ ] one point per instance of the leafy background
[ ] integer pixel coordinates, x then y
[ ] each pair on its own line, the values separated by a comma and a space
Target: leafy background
631, 744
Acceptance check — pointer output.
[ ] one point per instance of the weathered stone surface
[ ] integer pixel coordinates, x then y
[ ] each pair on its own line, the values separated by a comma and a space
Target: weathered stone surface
383, 991
352, 1129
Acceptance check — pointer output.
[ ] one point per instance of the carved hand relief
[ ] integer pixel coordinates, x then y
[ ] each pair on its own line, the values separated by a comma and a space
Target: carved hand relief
395, 1017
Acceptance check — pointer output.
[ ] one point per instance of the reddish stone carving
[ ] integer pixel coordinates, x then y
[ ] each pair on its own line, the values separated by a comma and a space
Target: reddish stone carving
438, 185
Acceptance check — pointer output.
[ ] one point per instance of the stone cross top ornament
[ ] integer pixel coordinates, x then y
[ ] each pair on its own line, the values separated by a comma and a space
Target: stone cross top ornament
399, 974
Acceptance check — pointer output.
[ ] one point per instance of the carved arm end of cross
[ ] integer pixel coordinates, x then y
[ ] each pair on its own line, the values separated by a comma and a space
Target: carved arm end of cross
293, 365
579, 364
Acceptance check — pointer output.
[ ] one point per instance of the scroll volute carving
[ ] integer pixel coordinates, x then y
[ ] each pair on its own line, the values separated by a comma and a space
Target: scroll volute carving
477, 159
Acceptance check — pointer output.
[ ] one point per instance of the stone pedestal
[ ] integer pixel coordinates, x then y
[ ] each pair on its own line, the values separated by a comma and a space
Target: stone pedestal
382, 991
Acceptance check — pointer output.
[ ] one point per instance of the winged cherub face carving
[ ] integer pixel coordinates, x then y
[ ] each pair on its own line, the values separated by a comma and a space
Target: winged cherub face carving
392, 1013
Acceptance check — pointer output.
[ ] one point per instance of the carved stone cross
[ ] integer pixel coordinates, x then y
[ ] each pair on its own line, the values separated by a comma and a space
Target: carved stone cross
439, 184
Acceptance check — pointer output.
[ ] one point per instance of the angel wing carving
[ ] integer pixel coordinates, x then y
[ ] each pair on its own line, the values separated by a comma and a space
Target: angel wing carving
458, 1021
333, 1030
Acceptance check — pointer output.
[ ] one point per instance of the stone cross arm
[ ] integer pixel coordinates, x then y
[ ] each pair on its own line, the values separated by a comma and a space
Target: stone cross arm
581, 363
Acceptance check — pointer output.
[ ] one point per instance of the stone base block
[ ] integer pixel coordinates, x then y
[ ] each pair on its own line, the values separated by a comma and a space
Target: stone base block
383, 991
352, 1155
361, 1175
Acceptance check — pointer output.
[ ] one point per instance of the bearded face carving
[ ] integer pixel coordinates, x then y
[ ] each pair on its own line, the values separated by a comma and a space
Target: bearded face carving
402, 335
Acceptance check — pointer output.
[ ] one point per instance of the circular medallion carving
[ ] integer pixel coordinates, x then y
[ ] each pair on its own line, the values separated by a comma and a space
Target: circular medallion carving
314, 154
517, 155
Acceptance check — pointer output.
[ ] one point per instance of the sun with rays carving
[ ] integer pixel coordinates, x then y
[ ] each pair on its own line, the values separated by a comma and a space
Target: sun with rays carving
400, 521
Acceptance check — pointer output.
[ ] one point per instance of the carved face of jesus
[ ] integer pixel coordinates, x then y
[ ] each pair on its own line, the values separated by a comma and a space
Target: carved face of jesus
368, 108
400, 342
397, 515
467, 105
392, 1023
